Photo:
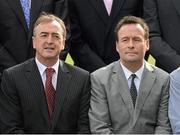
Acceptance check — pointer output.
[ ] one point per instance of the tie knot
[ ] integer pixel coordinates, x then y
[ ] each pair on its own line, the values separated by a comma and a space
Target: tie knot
133, 76
49, 72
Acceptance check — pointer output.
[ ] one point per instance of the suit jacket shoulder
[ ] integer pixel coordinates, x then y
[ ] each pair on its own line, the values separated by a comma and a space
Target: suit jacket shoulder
106, 71
21, 66
73, 69
158, 71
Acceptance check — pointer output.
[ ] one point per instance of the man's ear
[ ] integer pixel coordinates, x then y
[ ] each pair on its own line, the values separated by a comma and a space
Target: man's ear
34, 42
63, 44
117, 49
147, 44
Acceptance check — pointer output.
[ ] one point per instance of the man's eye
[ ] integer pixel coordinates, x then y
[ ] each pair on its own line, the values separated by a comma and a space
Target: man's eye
137, 39
58, 37
124, 40
43, 35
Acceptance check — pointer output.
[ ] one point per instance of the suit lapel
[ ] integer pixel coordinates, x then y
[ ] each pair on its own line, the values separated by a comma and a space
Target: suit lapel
64, 78
33, 75
177, 5
116, 7
147, 81
35, 10
100, 9
117, 4
17, 9
122, 85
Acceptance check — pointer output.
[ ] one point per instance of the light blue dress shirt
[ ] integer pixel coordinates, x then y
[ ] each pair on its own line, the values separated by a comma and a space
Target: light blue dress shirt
26, 6
174, 101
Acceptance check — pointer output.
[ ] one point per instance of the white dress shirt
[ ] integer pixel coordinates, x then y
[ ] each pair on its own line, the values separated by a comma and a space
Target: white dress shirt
174, 101
42, 72
138, 74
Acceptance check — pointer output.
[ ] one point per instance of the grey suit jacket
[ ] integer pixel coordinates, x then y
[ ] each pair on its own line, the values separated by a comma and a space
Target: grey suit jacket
111, 107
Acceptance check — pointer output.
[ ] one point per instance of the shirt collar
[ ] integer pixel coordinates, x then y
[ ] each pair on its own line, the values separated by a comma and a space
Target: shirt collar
42, 67
128, 73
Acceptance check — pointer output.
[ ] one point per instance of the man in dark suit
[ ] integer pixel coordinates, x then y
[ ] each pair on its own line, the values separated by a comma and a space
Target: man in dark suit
92, 30
45, 95
16, 34
163, 18
130, 96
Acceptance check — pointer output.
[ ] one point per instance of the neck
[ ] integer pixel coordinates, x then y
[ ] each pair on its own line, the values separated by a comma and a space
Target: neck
48, 62
133, 66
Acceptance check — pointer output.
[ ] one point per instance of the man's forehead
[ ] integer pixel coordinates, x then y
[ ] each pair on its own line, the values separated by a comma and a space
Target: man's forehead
50, 27
131, 26
131, 29
53, 23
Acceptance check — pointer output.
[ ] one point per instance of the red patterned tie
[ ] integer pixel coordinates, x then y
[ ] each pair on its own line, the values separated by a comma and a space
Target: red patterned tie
49, 91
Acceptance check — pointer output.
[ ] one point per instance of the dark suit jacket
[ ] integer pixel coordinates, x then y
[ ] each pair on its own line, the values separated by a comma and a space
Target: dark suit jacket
111, 107
92, 41
15, 37
23, 107
163, 17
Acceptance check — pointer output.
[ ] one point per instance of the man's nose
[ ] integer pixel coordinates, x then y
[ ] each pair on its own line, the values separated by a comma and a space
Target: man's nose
49, 39
131, 44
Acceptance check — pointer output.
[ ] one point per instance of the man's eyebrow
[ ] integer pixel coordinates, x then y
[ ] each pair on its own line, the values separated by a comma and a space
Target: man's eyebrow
54, 33
43, 33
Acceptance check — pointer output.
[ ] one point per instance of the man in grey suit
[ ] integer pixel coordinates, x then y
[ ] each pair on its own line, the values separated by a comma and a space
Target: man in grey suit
130, 95
45, 95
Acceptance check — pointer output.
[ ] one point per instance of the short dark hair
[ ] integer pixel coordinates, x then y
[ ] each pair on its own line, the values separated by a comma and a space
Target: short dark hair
132, 20
47, 17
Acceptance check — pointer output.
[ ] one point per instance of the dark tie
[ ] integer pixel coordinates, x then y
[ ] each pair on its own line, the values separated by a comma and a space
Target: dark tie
26, 9
133, 89
49, 91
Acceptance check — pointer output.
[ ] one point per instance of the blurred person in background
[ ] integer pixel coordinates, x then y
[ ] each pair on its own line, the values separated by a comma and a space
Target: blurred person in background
92, 29
163, 18
17, 18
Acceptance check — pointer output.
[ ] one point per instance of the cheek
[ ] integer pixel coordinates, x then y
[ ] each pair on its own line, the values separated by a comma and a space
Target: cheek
118, 47
37, 44
122, 48
143, 50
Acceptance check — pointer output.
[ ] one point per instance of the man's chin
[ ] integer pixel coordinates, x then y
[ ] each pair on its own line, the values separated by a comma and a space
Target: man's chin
132, 60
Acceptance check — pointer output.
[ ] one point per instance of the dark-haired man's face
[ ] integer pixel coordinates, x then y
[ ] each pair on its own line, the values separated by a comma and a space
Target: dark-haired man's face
131, 44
